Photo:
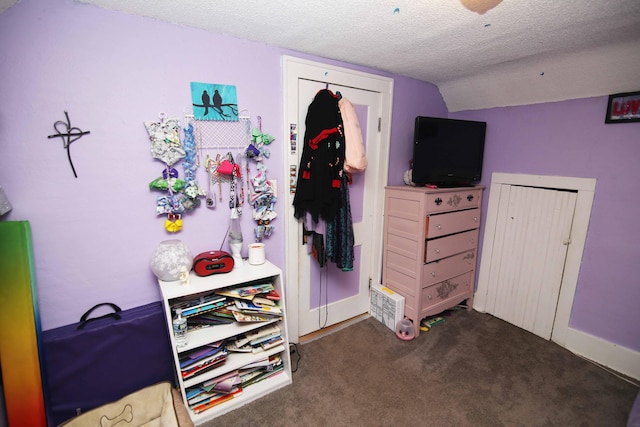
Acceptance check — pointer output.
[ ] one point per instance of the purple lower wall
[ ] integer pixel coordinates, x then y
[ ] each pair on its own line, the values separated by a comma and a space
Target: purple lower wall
94, 235
570, 138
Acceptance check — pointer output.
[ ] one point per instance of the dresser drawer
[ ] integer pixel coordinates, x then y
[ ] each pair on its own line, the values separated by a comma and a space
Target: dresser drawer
450, 245
453, 222
446, 268
447, 289
453, 200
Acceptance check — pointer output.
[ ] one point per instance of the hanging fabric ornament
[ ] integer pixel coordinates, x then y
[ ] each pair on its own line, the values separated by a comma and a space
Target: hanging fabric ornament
262, 197
182, 194
173, 223
191, 189
165, 139
263, 200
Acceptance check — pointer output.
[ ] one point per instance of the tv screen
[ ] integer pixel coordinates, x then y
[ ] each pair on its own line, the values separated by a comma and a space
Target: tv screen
448, 152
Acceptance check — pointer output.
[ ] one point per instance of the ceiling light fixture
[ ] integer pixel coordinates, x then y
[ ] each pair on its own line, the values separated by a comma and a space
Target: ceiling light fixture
480, 6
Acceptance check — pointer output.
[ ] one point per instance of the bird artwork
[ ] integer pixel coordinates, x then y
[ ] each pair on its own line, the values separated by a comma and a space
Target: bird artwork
217, 101
206, 101
214, 101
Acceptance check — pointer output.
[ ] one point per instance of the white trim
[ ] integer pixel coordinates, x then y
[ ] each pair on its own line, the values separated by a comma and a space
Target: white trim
605, 353
294, 68
618, 358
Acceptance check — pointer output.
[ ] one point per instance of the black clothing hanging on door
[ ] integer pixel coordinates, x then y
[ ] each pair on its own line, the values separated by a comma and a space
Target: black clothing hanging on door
320, 172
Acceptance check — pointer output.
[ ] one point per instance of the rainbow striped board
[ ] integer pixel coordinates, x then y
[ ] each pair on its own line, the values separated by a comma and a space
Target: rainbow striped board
20, 340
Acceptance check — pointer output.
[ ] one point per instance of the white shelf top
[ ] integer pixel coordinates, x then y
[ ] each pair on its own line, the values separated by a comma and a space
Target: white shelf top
239, 275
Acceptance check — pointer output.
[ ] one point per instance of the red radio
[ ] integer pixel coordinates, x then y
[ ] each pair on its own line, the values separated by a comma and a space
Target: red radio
212, 262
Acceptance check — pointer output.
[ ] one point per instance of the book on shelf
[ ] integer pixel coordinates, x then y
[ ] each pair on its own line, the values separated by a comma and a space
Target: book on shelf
246, 291
194, 301
253, 317
233, 347
204, 365
208, 319
226, 385
203, 308
263, 300
215, 400
272, 295
273, 342
247, 306
264, 362
261, 375
265, 338
255, 334
199, 355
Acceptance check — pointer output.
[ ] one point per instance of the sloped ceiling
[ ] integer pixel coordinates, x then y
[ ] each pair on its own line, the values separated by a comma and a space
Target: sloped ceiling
480, 53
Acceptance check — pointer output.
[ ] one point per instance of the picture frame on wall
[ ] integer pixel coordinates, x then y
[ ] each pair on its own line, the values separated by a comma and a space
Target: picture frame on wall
214, 102
623, 108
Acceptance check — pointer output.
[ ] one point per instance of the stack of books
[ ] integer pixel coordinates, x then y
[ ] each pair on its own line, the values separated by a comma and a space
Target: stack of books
202, 359
261, 370
227, 386
257, 341
246, 303
253, 303
214, 392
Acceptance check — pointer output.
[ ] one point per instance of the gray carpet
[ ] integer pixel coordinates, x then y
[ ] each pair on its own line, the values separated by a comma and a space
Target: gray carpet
472, 370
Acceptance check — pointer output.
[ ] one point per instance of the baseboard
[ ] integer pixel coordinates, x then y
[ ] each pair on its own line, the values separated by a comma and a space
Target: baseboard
605, 353
305, 339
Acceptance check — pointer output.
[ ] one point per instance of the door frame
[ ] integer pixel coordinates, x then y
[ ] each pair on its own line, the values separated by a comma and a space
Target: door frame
585, 188
294, 69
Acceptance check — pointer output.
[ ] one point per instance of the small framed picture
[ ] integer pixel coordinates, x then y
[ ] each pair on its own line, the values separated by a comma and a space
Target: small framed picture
623, 108
214, 101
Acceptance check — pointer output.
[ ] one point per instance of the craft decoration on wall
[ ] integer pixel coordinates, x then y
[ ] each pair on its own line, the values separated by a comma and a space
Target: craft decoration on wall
182, 195
190, 165
214, 102
263, 197
68, 134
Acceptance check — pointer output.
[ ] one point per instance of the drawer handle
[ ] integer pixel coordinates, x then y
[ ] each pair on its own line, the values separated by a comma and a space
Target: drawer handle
475, 219
437, 250
429, 296
438, 201
439, 227
470, 197
433, 274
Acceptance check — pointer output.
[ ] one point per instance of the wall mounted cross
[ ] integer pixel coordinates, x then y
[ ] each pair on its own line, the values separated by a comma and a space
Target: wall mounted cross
69, 135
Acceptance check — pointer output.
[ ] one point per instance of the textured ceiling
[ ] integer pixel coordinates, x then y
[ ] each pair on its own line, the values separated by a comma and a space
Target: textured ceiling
518, 52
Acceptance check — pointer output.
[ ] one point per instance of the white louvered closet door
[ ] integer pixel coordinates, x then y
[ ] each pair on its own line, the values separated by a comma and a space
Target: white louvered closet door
527, 256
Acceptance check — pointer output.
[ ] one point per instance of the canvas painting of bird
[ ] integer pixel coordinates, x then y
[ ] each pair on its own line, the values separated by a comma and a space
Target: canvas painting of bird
214, 101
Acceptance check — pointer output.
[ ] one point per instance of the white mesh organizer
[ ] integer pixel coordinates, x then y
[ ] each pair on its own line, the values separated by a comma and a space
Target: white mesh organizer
221, 135
217, 140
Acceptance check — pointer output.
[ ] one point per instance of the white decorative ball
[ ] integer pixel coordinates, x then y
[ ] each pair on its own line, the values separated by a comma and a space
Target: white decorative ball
170, 259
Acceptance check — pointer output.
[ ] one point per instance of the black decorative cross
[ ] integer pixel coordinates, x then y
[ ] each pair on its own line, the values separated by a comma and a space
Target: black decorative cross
70, 135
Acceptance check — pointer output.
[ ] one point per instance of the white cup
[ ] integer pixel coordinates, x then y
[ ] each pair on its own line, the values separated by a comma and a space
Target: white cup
256, 254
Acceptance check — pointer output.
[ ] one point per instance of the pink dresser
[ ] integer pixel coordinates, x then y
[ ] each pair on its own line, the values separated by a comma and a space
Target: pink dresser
430, 247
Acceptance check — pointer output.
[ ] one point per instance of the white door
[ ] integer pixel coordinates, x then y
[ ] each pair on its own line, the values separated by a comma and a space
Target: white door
332, 295
533, 233
527, 255
328, 296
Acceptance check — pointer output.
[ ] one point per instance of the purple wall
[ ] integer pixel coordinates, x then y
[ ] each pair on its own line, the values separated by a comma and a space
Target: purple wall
94, 235
570, 138
410, 100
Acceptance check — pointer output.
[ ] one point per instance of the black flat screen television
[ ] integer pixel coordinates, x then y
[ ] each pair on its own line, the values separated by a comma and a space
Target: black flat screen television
448, 152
